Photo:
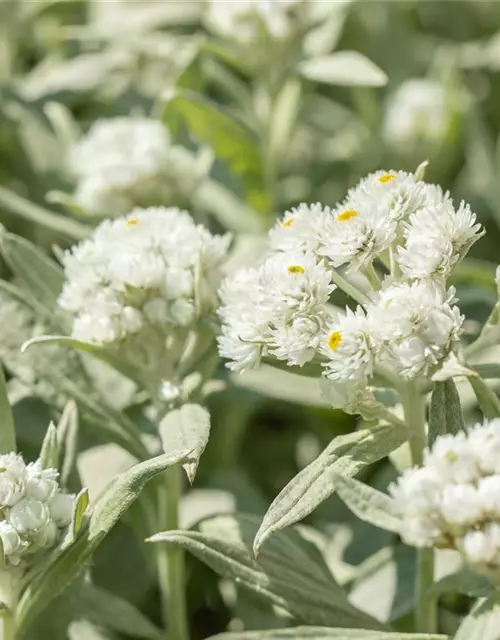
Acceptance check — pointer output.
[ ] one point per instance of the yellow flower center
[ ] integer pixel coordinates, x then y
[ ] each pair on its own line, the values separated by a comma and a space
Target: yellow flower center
296, 268
289, 222
348, 214
335, 340
131, 222
386, 177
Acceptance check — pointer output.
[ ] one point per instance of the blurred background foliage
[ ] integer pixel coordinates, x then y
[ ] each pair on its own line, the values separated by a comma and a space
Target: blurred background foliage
272, 119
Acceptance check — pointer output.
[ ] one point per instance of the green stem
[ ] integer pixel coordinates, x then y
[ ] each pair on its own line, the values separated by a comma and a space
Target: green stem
170, 559
8, 598
372, 276
426, 609
348, 288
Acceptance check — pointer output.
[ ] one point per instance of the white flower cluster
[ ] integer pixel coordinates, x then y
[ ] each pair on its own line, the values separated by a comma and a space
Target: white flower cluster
419, 111
240, 19
33, 509
142, 276
408, 322
454, 499
126, 162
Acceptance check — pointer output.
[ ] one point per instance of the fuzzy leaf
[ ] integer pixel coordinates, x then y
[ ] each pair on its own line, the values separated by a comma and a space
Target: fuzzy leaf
325, 633
81, 504
67, 438
290, 572
345, 68
113, 502
7, 430
49, 454
367, 503
187, 428
465, 581
345, 455
445, 415
487, 399
483, 622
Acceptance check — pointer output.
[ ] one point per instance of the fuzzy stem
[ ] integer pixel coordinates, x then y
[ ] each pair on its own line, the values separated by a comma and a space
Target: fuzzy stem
171, 558
425, 610
348, 288
8, 598
372, 276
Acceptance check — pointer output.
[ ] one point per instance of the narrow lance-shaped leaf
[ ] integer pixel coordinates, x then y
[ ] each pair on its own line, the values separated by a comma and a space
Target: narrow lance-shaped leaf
487, 399
445, 415
290, 572
7, 430
349, 68
345, 455
325, 633
367, 503
49, 453
105, 513
464, 581
67, 439
187, 428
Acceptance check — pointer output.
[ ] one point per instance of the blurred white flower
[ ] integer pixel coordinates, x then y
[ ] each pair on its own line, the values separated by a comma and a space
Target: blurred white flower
418, 111
240, 19
278, 309
12, 479
141, 277
126, 162
452, 501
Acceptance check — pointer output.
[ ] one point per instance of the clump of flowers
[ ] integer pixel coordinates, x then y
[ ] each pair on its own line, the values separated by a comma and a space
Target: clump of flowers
33, 509
126, 162
400, 238
142, 282
453, 500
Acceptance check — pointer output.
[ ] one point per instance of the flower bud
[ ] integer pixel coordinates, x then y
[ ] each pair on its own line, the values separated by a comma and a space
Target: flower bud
29, 515
61, 509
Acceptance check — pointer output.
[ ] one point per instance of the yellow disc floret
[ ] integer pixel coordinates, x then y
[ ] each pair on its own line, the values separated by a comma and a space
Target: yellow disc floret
386, 177
335, 340
289, 222
131, 222
348, 214
296, 268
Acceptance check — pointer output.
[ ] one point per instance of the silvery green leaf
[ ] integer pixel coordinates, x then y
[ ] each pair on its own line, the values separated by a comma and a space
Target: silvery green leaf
7, 430
325, 633
112, 612
42, 276
487, 399
67, 438
488, 370
289, 573
39, 215
283, 118
445, 413
345, 455
421, 170
367, 503
344, 68
464, 581
96, 351
81, 505
113, 502
49, 453
483, 622
187, 428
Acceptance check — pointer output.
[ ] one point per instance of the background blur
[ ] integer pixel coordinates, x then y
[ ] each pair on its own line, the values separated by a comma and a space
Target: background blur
275, 103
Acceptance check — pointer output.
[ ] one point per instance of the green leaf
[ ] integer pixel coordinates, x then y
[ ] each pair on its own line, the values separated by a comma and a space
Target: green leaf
100, 353
232, 141
112, 612
367, 503
37, 214
187, 428
487, 399
41, 275
67, 438
109, 507
49, 454
488, 370
345, 455
7, 429
483, 622
283, 119
81, 505
325, 633
345, 68
465, 581
445, 414
289, 573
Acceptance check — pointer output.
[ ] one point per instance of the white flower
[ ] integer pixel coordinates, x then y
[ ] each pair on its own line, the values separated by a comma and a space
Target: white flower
397, 194
12, 544
418, 324
350, 348
301, 229
142, 275
126, 162
278, 309
488, 493
461, 505
29, 515
485, 442
12, 479
437, 237
41, 484
417, 111
240, 19
482, 548
61, 508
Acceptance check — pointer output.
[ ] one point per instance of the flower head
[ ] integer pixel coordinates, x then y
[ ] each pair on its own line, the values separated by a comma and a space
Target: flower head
126, 162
